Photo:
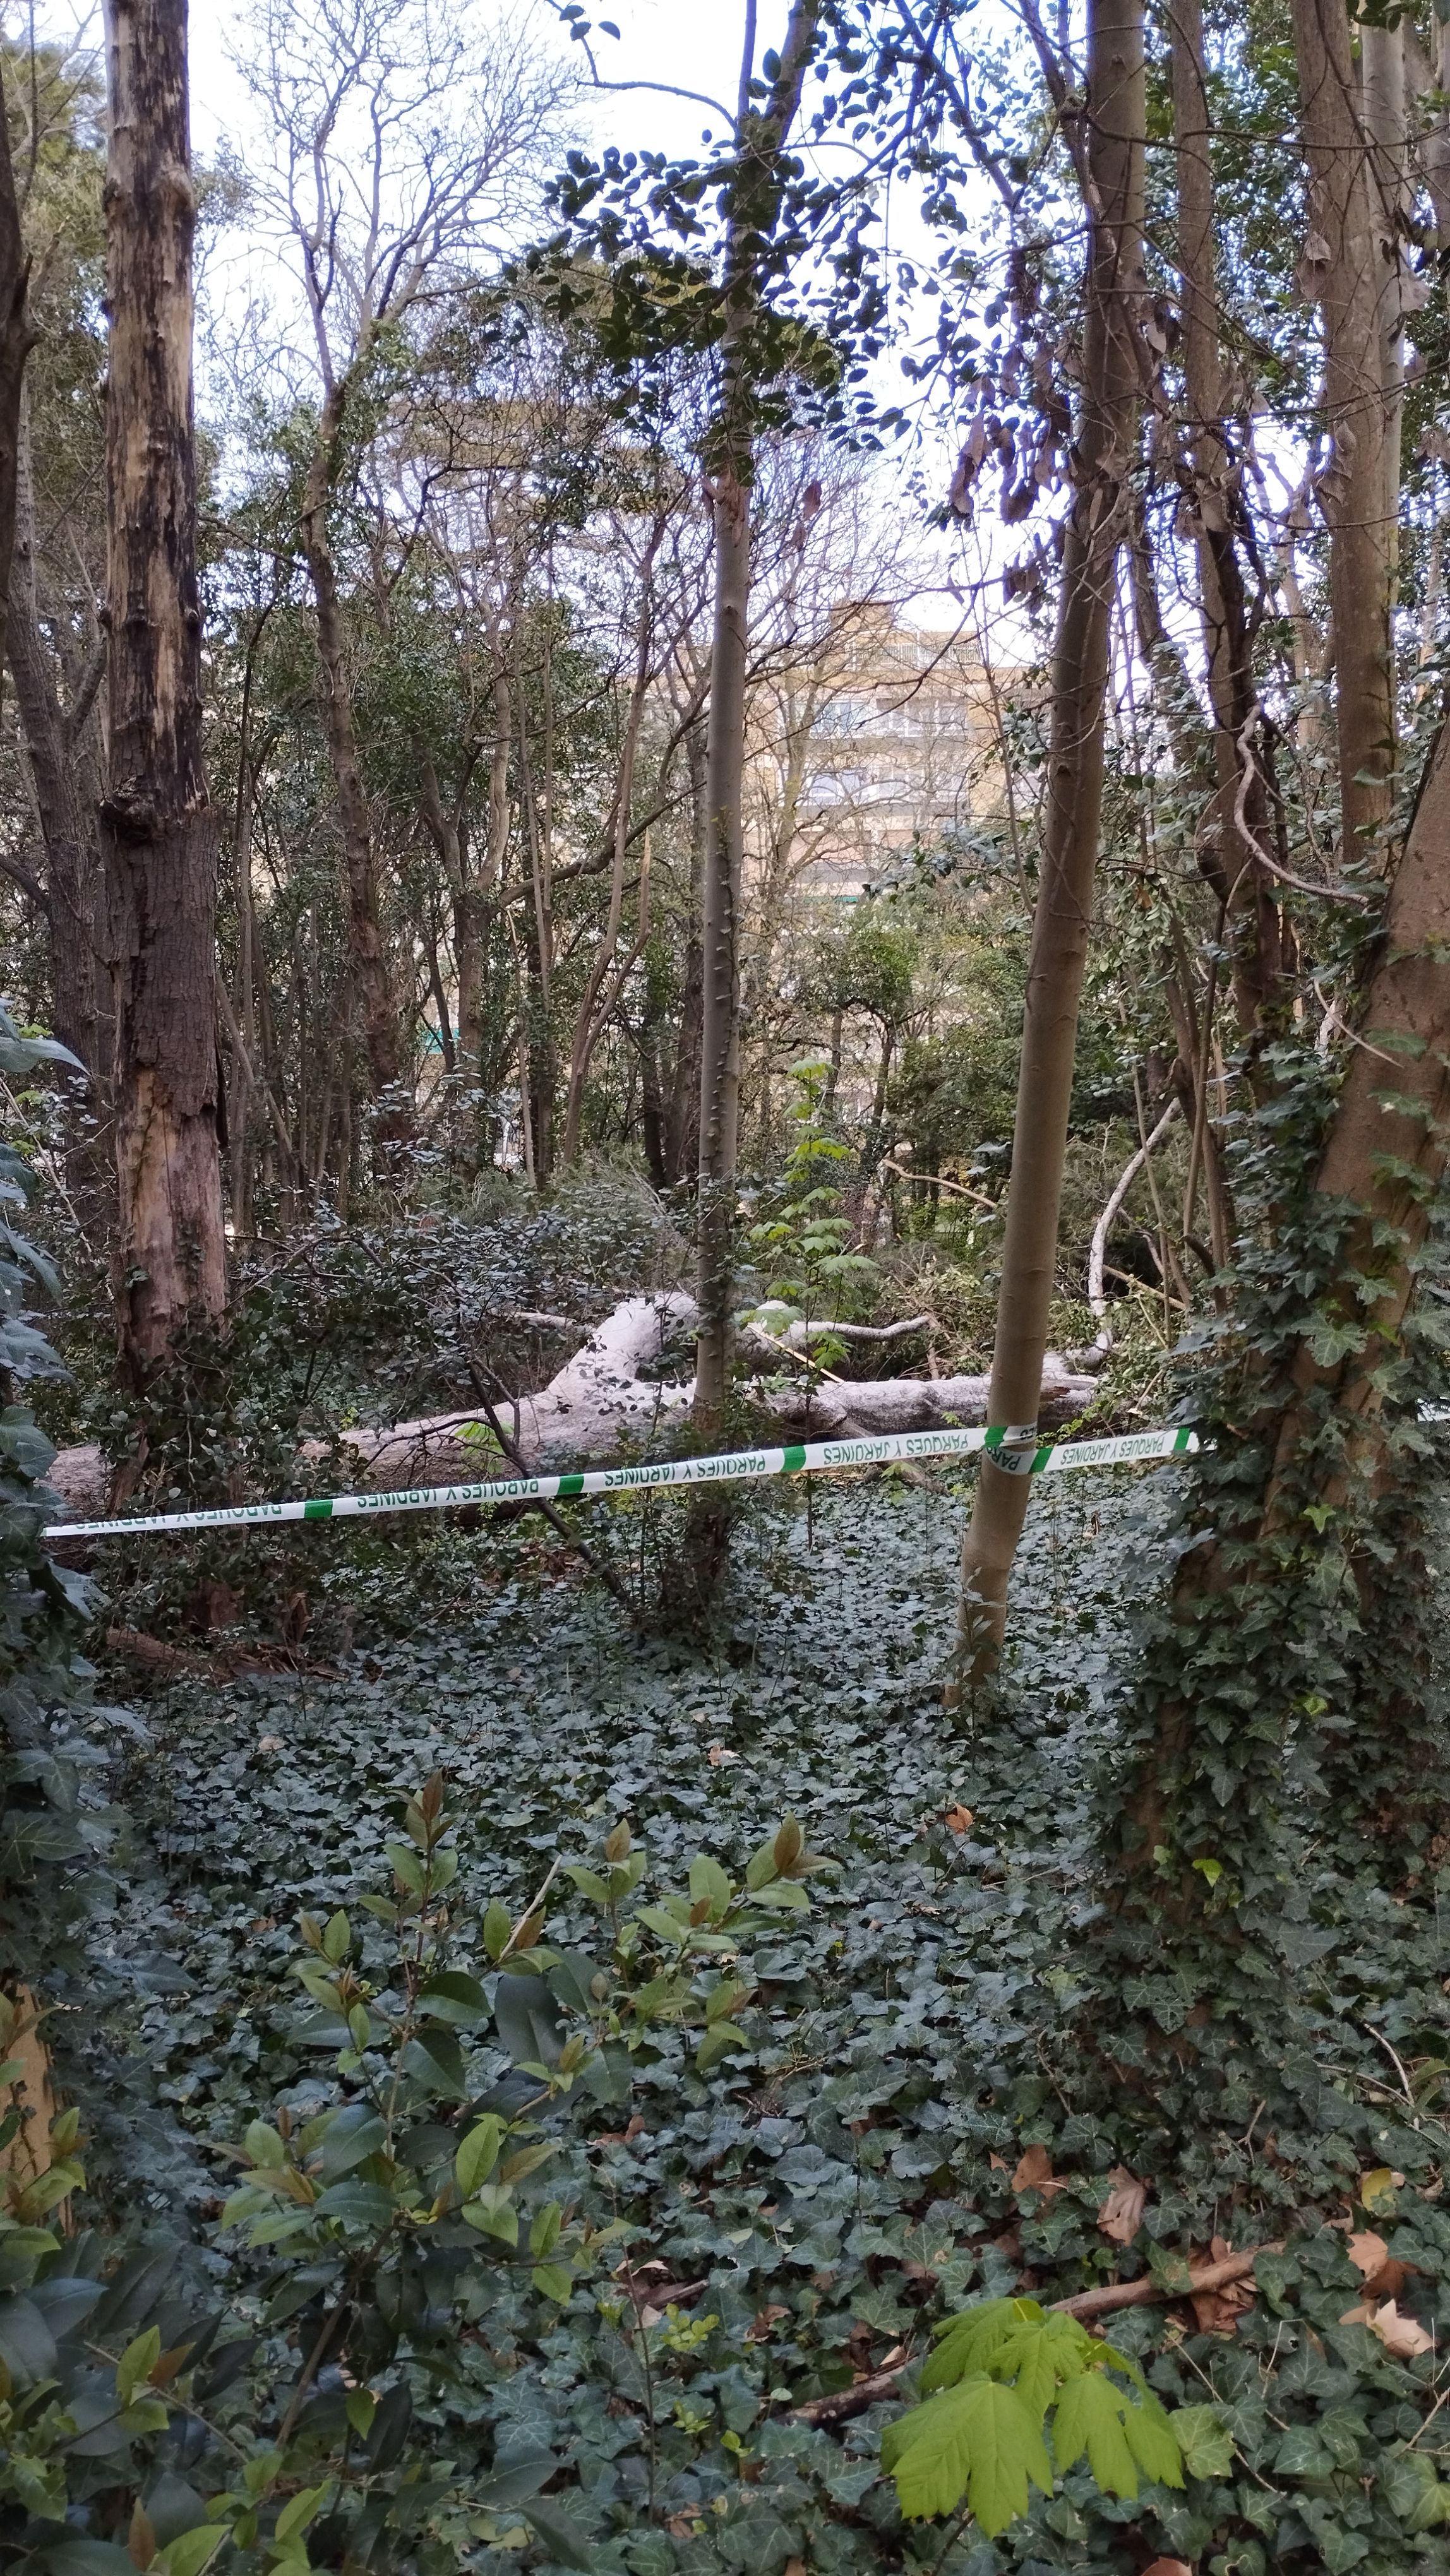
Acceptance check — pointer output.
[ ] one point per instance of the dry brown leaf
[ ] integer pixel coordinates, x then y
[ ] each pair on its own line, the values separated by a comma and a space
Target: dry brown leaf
997, 2163
722, 1753
959, 1820
1401, 2336
1219, 2311
1034, 2173
1384, 2275
1168, 2567
758, 2330
1121, 2214
622, 2137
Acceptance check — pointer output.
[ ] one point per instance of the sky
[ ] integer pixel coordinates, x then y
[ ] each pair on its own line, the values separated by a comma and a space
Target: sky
689, 45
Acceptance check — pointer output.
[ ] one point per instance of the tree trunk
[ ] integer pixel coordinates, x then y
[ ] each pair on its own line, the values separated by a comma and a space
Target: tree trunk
67, 823
1116, 121
682, 1126
1386, 99
720, 961
376, 999
17, 338
1353, 272
754, 204
605, 983
159, 830
1244, 888
1206, 1772
1389, 1146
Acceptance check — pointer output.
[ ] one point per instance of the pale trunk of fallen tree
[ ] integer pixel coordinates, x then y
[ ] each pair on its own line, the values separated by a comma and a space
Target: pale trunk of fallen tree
600, 1406
1110, 377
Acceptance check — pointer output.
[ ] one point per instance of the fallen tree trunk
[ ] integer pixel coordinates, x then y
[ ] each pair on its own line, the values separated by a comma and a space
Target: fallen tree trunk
837, 1409
601, 1403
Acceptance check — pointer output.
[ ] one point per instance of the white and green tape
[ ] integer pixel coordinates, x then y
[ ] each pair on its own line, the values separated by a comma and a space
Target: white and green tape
1020, 1449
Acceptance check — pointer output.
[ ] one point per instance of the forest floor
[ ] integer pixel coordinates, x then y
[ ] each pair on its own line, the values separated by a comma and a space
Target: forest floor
821, 2194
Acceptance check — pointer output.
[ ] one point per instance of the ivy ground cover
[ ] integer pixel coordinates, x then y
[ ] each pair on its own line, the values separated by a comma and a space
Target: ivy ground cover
921, 2111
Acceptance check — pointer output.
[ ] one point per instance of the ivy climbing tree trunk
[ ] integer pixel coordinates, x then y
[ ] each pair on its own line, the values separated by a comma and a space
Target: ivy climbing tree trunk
1115, 121
754, 197
159, 829
1283, 1564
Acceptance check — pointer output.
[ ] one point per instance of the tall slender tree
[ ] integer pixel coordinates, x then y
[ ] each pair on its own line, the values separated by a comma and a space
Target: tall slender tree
1351, 268
1115, 120
159, 828
753, 198
17, 339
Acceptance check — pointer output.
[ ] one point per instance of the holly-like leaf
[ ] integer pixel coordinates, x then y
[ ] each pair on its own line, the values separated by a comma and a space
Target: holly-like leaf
975, 2440
1207, 2449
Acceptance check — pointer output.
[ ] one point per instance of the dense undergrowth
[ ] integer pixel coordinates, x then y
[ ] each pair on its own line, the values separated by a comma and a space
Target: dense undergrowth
856, 2167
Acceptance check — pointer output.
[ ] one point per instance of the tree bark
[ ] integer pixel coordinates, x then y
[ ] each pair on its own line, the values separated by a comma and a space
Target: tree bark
720, 961
1353, 272
159, 829
1384, 1163
605, 983
17, 338
683, 1120
1387, 1151
1244, 888
67, 823
754, 195
1116, 125
376, 999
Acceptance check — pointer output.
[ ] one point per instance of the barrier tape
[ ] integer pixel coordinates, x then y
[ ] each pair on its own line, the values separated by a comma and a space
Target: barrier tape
815, 1457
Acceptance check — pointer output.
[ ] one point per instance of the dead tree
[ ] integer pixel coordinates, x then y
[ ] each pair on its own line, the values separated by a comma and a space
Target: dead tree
158, 827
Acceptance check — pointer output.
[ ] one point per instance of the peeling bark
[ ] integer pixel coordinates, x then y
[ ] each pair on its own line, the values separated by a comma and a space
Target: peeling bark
159, 829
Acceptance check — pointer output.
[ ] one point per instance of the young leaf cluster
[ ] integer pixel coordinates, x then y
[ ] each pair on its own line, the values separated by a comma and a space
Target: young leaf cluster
998, 2373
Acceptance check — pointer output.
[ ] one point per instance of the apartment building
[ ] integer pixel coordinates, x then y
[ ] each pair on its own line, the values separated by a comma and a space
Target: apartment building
886, 738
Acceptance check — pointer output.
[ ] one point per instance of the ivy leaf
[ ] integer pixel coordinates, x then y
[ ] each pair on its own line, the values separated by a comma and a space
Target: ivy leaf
1206, 2447
975, 2440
